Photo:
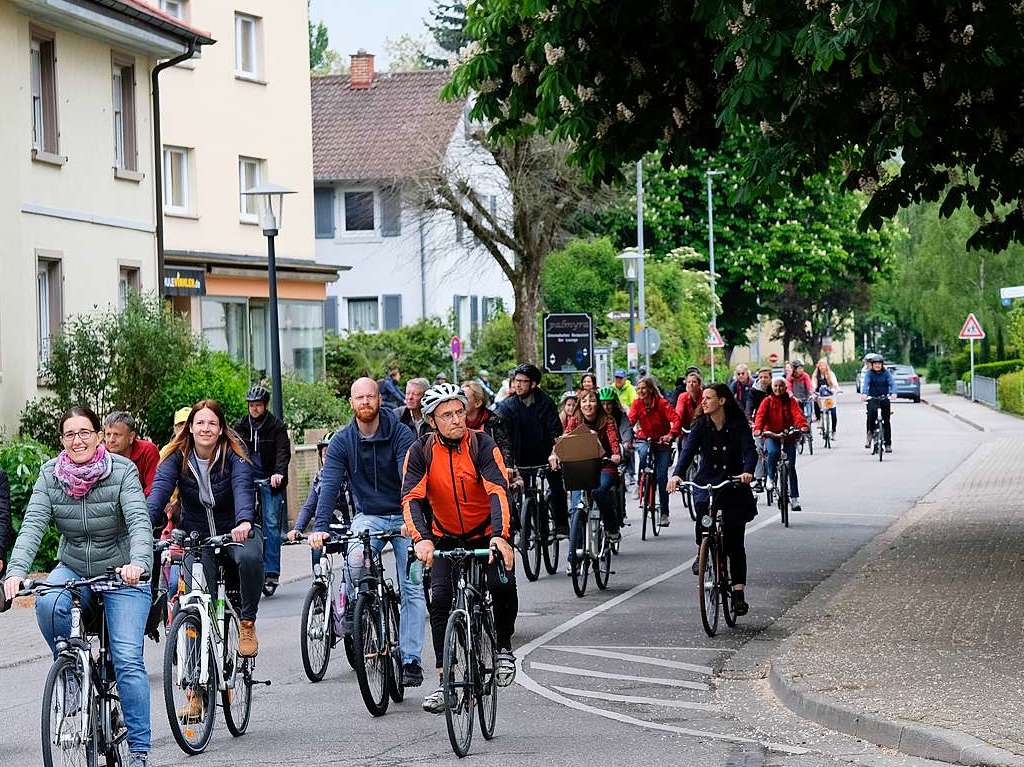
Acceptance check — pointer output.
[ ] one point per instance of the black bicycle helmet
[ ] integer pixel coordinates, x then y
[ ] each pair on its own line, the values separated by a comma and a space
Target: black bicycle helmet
257, 393
529, 370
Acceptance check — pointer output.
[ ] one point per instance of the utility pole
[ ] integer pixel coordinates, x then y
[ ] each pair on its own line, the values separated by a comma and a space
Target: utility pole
711, 260
640, 255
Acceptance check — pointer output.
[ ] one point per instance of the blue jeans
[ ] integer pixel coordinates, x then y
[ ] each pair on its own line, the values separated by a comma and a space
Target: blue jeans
414, 604
603, 497
772, 448
662, 456
272, 504
127, 609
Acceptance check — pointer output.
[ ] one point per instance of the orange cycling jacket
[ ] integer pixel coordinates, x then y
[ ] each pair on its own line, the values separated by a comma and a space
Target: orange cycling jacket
450, 495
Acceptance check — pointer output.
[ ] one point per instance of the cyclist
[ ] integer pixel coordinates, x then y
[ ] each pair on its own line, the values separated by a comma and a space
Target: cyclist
588, 381
627, 393
95, 499
592, 415
741, 385
411, 414
568, 406
368, 454
308, 511
534, 425
779, 412
761, 389
721, 435
482, 418
119, 437
460, 475
659, 424
801, 387
878, 382
613, 409
688, 403
390, 395
266, 438
825, 384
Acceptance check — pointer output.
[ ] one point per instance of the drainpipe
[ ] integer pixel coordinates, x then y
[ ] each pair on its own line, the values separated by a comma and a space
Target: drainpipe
158, 160
423, 271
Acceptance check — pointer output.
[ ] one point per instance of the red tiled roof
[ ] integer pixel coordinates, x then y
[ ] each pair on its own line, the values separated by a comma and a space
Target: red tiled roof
391, 130
148, 11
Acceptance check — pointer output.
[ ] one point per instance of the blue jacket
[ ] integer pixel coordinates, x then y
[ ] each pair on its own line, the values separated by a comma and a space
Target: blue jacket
308, 511
372, 467
234, 494
878, 384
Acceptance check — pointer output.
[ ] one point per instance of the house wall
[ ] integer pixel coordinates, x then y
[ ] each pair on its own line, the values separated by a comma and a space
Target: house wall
760, 345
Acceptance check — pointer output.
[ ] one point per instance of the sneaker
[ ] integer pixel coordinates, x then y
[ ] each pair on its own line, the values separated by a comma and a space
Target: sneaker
695, 567
888, 448
434, 703
770, 485
795, 504
867, 442
412, 674
248, 646
192, 711
739, 603
664, 520
568, 569
138, 760
505, 668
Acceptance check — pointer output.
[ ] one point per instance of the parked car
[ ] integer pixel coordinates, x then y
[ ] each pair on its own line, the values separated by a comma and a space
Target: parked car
908, 382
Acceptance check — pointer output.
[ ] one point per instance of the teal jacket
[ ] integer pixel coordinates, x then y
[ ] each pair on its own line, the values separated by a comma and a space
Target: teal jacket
108, 528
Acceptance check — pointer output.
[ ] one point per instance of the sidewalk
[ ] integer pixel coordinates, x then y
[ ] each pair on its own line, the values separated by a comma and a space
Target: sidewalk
915, 643
974, 414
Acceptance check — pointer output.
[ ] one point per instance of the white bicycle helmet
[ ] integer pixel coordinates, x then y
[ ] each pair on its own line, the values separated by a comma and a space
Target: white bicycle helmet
442, 392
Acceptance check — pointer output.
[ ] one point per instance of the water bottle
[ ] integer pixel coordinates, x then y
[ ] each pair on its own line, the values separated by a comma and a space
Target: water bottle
416, 573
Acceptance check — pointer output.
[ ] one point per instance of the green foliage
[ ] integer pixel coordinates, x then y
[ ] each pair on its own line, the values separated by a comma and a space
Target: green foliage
494, 349
447, 24
40, 421
21, 459
319, 43
1011, 392
1015, 327
846, 371
994, 369
420, 349
312, 406
210, 375
582, 277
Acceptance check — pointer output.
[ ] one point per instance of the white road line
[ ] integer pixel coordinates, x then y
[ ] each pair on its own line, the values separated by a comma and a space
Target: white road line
706, 670
524, 679
639, 699
624, 677
645, 647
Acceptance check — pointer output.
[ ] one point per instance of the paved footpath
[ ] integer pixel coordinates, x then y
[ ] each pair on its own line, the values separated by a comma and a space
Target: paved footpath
915, 643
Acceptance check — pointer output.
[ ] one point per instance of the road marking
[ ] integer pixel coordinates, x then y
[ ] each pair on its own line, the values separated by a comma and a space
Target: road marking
841, 514
525, 680
707, 670
645, 647
639, 699
624, 677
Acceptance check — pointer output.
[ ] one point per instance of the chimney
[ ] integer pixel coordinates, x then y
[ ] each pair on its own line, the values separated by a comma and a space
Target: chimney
362, 70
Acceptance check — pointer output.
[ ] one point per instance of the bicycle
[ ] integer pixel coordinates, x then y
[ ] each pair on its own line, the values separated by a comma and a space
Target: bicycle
202, 658
82, 719
878, 434
537, 530
691, 474
647, 482
807, 437
780, 478
596, 551
714, 589
828, 403
468, 675
620, 503
375, 626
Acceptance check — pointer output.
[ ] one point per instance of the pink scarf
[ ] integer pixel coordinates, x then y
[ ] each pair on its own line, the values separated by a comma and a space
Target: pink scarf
77, 479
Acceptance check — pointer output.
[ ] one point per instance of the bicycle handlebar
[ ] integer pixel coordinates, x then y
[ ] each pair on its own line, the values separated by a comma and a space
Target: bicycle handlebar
29, 588
719, 486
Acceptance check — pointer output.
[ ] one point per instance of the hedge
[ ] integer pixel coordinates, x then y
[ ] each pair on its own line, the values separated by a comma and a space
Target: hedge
994, 369
1011, 392
21, 458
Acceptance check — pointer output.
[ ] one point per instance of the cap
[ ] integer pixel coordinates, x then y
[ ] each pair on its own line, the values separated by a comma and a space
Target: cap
181, 415
620, 373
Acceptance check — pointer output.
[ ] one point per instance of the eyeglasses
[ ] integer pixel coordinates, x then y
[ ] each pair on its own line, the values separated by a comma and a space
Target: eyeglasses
82, 434
451, 416
521, 380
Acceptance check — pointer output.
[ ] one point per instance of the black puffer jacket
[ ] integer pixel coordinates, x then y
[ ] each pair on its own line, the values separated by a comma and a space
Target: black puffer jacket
234, 493
269, 448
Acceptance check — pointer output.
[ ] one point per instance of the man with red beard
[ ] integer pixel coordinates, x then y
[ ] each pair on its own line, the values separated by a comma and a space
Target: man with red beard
369, 454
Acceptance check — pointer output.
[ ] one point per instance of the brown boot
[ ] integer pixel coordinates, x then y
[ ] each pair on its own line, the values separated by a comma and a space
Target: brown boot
192, 711
248, 646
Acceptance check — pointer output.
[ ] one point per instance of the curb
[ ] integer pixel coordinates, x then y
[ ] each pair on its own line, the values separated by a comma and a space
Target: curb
960, 418
910, 738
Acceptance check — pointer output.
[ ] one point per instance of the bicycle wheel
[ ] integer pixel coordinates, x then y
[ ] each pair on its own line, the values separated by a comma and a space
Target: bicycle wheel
784, 495
191, 702
879, 444
642, 482
396, 687
487, 685
457, 681
114, 744
61, 729
707, 587
550, 538
728, 606
315, 641
350, 650
371, 654
603, 563
237, 698
580, 565
529, 539
655, 512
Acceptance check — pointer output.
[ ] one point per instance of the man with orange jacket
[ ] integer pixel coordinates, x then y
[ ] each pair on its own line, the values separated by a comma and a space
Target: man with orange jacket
455, 495
779, 412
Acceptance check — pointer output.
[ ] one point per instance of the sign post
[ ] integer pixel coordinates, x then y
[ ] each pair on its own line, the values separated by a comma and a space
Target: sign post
970, 332
568, 344
456, 356
714, 339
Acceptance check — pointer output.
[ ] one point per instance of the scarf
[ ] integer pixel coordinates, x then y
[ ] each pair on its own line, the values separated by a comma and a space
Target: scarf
78, 479
483, 415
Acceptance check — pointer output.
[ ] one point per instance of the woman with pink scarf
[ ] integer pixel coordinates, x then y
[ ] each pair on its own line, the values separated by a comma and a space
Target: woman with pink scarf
95, 499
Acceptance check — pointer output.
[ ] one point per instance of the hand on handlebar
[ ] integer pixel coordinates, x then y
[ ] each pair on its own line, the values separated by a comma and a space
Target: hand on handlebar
508, 556
746, 478
11, 587
316, 540
240, 532
673, 483
130, 574
425, 552
553, 462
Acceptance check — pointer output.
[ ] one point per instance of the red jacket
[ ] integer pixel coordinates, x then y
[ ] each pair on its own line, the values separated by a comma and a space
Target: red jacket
145, 455
687, 409
656, 421
776, 416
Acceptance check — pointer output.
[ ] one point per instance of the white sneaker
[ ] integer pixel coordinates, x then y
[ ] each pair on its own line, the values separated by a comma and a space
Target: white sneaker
795, 505
434, 702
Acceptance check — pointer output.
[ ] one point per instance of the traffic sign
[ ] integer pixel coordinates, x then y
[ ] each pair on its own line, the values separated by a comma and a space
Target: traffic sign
568, 342
971, 329
456, 348
632, 355
714, 339
773, 358
649, 337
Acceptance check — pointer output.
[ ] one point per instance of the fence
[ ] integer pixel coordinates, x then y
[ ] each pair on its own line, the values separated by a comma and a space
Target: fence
986, 390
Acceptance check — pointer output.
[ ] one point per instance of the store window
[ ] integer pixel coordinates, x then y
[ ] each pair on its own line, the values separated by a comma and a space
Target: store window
225, 325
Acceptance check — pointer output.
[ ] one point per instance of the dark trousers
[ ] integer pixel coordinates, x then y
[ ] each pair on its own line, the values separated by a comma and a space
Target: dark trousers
559, 506
735, 551
873, 405
833, 411
443, 578
247, 561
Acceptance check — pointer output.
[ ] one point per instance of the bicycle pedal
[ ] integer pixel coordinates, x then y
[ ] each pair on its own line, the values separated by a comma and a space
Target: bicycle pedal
264, 682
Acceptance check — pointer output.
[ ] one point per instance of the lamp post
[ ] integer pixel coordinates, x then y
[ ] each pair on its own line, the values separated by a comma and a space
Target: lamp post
270, 198
640, 258
629, 269
711, 260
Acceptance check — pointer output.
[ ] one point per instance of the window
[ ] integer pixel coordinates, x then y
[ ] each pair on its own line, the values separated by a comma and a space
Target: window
301, 328
392, 312
491, 307
363, 314
247, 46
249, 175
176, 179
128, 282
125, 154
175, 8
44, 94
224, 326
49, 312
323, 211
359, 214
462, 323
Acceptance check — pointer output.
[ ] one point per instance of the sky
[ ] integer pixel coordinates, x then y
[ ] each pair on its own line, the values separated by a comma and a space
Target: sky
355, 24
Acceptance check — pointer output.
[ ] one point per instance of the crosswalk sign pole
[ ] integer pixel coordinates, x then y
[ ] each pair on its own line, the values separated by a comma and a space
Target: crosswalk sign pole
972, 371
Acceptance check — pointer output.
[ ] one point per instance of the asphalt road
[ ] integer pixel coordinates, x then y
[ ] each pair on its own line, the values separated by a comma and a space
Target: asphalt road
619, 677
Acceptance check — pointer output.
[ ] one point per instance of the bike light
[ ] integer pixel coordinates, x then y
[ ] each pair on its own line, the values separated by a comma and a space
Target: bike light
706, 521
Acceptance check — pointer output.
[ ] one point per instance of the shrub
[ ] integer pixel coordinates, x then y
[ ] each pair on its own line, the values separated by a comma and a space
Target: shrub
1011, 392
997, 369
40, 420
418, 350
312, 406
21, 458
846, 371
494, 350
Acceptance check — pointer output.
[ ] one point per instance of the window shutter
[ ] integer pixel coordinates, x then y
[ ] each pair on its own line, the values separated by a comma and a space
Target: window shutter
485, 314
391, 212
131, 161
474, 313
392, 312
331, 313
48, 80
323, 212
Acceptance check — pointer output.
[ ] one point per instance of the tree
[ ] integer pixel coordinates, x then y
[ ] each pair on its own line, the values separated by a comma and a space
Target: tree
935, 81
406, 53
447, 25
323, 60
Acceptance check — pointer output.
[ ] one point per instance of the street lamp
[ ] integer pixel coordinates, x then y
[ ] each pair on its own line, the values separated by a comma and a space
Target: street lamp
711, 260
270, 198
630, 268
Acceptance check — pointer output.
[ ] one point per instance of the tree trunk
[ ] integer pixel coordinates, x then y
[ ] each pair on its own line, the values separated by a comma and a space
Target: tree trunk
524, 316
906, 340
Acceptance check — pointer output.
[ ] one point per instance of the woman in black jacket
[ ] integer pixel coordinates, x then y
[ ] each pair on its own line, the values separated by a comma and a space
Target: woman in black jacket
208, 465
722, 436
